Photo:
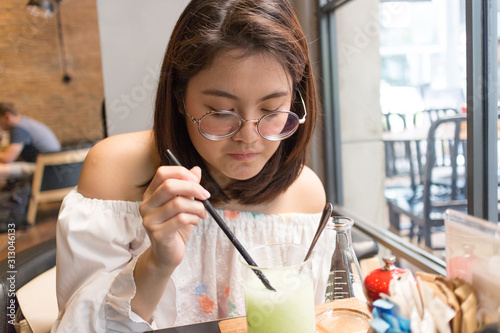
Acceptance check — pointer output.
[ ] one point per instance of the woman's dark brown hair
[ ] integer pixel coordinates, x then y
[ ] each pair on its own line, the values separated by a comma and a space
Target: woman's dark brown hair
207, 27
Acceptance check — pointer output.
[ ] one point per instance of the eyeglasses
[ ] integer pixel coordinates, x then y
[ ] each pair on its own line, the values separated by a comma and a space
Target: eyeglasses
275, 126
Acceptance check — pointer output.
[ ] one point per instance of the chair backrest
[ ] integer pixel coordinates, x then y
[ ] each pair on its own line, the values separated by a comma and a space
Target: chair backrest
56, 174
29, 264
449, 133
59, 176
428, 116
58, 170
393, 121
443, 185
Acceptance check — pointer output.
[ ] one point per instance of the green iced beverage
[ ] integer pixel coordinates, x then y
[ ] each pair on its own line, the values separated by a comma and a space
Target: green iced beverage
291, 307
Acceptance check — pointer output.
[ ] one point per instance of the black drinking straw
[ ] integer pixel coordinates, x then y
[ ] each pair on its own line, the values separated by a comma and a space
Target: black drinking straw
226, 230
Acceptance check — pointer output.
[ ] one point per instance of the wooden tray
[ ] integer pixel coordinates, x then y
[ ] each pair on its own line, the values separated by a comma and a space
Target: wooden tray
239, 325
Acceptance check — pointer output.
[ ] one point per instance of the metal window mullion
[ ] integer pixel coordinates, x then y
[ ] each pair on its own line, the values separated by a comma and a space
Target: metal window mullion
327, 124
482, 109
491, 116
332, 141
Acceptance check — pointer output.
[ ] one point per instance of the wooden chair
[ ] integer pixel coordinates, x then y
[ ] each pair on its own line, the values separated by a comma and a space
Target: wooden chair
56, 174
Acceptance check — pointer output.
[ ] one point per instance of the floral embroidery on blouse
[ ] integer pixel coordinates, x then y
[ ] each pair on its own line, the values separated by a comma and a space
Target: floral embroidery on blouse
226, 291
200, 289
232, 309
286, 217
231, 214
206, 304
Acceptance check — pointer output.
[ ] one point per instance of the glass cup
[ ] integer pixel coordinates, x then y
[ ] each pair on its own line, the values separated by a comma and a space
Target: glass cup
291, 307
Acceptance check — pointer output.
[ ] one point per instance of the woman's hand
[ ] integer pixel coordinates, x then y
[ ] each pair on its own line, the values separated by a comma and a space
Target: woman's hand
169, 213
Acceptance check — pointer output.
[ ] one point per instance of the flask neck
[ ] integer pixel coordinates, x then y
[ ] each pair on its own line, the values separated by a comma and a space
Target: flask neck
343, 239
342, 227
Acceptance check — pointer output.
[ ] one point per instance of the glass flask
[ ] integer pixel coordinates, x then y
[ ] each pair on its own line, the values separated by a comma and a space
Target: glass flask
345, 279
344, 286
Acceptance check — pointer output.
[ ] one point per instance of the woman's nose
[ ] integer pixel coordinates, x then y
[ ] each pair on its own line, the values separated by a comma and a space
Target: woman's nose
248, 132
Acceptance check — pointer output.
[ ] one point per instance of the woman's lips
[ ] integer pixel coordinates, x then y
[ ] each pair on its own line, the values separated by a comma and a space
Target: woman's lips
243, 156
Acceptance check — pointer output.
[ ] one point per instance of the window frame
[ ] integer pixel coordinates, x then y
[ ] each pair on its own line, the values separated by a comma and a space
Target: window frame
482, 126
482, 109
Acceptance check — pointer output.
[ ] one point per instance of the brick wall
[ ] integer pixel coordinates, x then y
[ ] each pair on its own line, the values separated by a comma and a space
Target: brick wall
31, 67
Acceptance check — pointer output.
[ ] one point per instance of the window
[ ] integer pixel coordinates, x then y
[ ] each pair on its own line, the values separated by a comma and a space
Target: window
381, 58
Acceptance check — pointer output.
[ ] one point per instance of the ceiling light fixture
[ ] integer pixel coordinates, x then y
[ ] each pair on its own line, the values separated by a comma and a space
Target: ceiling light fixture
47, 8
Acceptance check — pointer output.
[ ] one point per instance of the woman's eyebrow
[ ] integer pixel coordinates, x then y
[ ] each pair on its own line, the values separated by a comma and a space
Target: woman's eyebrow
274, 95
221, 93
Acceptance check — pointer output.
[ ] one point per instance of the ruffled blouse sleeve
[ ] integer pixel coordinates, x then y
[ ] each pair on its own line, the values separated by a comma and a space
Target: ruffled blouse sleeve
98, 243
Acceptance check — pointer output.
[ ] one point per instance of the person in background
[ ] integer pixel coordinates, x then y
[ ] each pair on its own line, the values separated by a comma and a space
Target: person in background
237, 105
28, 138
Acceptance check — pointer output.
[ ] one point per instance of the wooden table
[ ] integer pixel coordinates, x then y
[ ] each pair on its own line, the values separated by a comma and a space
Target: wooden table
239, 325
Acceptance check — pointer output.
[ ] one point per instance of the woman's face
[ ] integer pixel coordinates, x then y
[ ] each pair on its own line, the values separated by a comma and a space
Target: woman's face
251, 87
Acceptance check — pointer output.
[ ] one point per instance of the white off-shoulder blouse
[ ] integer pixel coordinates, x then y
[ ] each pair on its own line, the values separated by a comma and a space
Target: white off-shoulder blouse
99, 241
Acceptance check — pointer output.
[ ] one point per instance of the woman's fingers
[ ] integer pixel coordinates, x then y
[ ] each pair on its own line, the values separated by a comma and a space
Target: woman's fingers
172, 188
172, 210
171, 182
197, 172
171, 172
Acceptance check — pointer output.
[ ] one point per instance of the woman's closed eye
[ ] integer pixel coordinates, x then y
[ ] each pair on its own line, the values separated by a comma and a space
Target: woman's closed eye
221, 114
272, 110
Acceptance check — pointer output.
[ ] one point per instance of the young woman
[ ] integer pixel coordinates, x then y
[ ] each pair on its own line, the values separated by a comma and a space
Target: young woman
236, 103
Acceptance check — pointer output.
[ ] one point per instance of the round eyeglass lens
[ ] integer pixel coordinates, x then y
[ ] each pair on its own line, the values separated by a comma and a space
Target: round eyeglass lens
278, 125
219, 124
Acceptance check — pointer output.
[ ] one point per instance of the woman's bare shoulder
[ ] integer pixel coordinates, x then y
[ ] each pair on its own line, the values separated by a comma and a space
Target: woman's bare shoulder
306, 195
115, 167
